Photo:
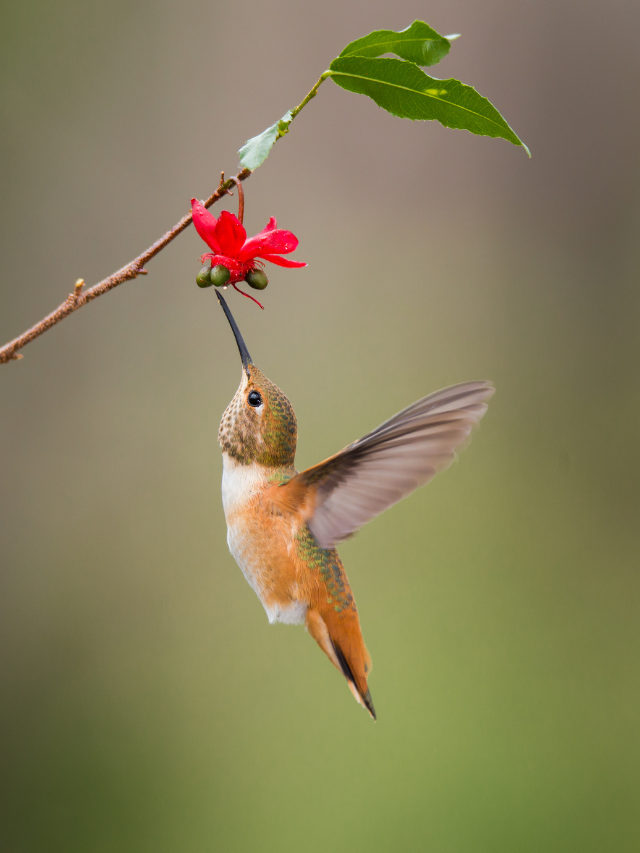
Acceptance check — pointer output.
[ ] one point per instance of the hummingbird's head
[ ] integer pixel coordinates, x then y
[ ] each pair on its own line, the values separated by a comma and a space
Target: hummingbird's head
259, 424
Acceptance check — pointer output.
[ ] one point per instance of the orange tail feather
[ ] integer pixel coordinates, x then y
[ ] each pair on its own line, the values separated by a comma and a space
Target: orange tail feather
340, 638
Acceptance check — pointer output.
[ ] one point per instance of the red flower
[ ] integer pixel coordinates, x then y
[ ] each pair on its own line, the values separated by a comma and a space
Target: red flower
227, 239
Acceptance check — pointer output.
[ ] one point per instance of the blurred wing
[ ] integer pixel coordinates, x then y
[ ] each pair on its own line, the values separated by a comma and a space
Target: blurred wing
386, 465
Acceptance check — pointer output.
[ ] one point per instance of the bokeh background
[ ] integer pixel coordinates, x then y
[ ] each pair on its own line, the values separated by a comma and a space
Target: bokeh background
146, 703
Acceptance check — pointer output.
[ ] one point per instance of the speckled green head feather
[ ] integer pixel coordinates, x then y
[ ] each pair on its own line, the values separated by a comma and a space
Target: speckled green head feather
266, 433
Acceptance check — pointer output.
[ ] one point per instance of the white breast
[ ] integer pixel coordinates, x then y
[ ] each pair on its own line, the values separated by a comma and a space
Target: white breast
241, 485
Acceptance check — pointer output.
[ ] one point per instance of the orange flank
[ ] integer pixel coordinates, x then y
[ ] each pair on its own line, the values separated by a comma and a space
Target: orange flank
296, 580
282, 526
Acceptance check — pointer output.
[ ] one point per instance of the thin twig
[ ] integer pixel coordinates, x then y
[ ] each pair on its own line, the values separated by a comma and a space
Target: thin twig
132, 270
75, 300
310, 95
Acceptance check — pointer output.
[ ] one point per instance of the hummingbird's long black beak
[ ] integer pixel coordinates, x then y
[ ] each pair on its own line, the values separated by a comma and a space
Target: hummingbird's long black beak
244, 352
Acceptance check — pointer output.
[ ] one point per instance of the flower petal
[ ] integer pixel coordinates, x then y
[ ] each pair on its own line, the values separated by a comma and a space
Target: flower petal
230, 234
282, 262
271, 224
205, 224
269, 242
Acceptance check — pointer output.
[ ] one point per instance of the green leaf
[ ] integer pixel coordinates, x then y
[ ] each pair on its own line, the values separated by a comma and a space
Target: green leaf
418, 43
404, 90
256, 150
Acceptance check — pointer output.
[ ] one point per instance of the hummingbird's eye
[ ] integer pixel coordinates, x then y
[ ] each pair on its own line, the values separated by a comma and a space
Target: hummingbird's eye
254, 399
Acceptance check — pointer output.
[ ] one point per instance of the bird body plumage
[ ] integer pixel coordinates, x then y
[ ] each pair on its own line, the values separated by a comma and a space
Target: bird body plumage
283, 525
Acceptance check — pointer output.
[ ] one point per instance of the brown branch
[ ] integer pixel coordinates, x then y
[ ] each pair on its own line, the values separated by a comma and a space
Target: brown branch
132, 270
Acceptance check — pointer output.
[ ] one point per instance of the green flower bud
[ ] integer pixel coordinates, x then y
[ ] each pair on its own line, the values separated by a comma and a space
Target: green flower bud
203, 278
219, 275
256, 279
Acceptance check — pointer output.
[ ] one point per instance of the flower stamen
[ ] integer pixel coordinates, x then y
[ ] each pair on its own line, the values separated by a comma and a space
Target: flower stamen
235, 287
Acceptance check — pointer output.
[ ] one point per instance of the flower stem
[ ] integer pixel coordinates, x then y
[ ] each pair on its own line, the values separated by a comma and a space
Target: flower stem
240, 199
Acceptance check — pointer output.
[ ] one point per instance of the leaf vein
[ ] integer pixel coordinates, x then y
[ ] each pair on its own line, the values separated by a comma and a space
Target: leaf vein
391, 41
415, 92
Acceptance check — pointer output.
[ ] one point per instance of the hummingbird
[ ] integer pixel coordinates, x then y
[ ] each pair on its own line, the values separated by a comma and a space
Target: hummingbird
283, 525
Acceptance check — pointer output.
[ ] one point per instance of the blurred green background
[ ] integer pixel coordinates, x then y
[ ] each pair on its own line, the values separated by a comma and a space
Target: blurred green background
146, 703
